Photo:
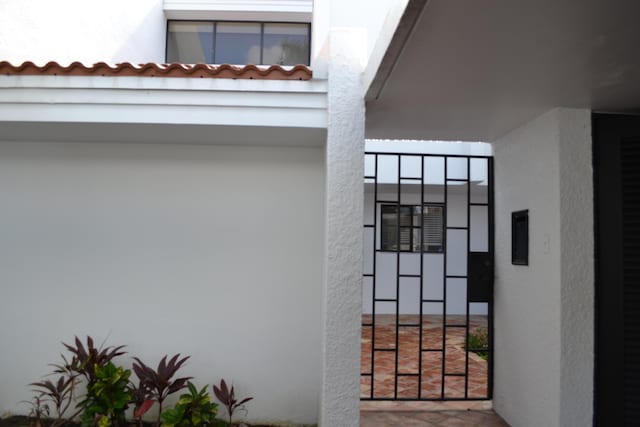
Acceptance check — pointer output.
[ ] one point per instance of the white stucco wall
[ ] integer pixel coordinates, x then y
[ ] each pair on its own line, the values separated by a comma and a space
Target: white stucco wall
79, 30
373, 23
544, 311
210, 251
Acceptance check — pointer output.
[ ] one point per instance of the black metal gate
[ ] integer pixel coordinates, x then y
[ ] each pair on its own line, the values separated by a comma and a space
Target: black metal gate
428, 277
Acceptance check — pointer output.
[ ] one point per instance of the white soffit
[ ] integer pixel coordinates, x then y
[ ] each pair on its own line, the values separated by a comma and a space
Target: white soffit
240, 10
474, 70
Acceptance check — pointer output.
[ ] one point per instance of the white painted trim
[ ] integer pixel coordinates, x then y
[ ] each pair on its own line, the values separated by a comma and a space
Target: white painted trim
467, 148
245, 10
224, 102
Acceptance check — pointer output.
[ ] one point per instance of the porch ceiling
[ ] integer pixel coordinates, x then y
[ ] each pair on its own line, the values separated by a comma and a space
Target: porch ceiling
473, 70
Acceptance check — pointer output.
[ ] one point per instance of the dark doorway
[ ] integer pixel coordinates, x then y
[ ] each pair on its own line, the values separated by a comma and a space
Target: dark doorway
617, 225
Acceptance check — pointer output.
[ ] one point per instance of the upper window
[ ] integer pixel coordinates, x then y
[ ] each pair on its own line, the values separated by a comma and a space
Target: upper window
401, 228
225, 42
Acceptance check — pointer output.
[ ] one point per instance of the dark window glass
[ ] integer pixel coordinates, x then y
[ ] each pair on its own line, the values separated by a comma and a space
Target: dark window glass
419, 229
190, 42
285, 44
237, 43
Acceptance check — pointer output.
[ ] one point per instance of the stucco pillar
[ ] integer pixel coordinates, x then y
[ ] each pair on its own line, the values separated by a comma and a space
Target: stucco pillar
342, 302
544, 311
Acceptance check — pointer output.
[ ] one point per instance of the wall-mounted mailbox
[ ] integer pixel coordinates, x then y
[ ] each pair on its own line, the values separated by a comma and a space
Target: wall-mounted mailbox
520, 238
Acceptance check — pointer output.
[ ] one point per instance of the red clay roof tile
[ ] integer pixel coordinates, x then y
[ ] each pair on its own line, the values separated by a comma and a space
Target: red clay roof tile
224, 71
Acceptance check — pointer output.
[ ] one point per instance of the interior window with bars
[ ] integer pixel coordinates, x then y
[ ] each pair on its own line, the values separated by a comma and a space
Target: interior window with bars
412, 228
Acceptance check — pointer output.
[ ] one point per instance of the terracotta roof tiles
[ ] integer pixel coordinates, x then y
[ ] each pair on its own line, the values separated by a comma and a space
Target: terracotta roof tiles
224, 71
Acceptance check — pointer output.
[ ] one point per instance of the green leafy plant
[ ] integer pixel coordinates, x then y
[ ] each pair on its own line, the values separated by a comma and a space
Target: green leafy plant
478, 342
227, 397
193, 409
108, 396
158, 382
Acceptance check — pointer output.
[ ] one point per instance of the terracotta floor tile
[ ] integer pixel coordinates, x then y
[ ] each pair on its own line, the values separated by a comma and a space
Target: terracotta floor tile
431, 419
400, 344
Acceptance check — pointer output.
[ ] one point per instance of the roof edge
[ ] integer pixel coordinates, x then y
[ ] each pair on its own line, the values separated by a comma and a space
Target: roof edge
224, 71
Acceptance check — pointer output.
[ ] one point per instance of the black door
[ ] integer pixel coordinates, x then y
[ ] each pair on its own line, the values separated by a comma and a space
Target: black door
617, 222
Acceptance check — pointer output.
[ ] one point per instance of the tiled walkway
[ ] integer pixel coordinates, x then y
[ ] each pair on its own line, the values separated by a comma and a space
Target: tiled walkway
408, 349
485, 418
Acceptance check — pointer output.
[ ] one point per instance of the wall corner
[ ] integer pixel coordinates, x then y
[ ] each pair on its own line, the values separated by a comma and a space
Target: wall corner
342, 291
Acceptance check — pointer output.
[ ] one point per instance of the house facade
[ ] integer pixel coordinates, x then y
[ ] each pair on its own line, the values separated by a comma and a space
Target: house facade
217, 211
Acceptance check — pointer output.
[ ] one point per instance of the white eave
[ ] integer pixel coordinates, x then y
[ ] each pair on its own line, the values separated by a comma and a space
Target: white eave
208, 109
244, 10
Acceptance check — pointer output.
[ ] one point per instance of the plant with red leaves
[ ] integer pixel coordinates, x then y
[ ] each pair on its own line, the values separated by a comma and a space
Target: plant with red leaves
85, 360
227, 397
158, 382
59, 393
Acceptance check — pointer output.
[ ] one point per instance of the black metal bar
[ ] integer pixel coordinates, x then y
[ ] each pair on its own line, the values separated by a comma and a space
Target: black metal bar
373, 279
467, 305
420, 331
426, 399
369, 226
490, 219
395, 382
444, 279
386, 300
433, 300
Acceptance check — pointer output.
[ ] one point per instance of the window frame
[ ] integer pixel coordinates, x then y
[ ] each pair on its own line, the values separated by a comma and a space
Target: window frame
227, 21
398, 226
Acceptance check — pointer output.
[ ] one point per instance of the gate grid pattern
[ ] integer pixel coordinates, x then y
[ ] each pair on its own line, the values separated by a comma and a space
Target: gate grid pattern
428, 277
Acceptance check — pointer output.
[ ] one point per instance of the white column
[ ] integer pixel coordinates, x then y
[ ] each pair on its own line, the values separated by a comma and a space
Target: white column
544, 311
342, 302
